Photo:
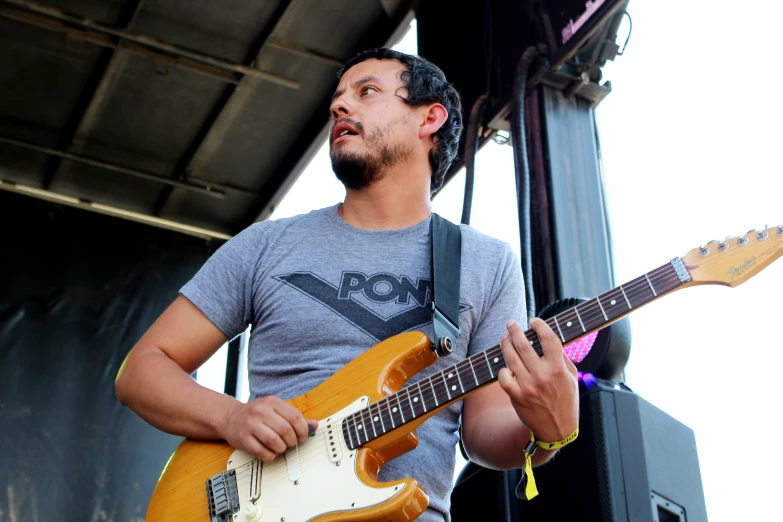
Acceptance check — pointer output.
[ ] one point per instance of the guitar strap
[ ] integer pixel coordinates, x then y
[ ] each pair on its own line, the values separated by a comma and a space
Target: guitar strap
446, 240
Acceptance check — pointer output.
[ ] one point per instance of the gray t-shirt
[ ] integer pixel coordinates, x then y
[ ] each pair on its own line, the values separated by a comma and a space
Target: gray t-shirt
318, 292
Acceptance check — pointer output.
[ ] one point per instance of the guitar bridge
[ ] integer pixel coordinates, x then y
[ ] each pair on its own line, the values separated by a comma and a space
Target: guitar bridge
222, 496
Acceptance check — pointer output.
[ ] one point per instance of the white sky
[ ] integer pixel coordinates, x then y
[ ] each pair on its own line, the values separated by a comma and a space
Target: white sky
690, 138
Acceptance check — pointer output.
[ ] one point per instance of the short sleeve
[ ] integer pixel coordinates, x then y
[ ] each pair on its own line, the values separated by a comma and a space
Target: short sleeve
506, 302
223, 288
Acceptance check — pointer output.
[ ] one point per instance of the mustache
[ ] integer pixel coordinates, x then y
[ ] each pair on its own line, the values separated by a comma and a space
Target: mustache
353, 123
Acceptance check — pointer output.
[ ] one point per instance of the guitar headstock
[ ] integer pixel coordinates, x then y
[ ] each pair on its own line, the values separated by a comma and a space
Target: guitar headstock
733, 261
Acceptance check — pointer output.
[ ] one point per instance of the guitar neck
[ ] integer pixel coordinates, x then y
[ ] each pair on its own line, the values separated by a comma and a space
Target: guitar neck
452, 384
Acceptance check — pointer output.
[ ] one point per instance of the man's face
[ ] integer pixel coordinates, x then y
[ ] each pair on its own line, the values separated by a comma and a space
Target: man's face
372, 127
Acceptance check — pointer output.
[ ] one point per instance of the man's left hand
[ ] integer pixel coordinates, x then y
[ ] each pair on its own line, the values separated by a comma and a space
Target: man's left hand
543, 390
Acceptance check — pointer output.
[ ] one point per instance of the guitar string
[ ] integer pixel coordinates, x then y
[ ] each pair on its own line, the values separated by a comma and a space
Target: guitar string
630, 291
633, 289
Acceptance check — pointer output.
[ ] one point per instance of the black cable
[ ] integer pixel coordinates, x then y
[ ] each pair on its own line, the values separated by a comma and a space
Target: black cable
476, 118
630, 29
471, 147
522, 169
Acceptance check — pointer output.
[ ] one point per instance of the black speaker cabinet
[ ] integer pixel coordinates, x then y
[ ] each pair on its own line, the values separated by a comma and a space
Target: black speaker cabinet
632, 462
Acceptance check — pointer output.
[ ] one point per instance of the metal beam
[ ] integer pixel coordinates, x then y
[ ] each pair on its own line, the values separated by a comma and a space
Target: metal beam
306, 53
205, 188
222, 105
109, 210
99, 34
102, 77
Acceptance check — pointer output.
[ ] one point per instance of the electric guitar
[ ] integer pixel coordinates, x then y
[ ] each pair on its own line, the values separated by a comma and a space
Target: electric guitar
366, 416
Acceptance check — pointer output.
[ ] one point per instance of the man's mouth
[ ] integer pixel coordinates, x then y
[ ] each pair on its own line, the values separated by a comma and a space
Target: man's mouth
342, 131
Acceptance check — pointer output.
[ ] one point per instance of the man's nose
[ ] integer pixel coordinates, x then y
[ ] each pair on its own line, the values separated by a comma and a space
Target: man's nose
340, 108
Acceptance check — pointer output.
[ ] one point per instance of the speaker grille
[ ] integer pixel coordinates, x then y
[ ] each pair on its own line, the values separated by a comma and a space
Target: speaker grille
600, 451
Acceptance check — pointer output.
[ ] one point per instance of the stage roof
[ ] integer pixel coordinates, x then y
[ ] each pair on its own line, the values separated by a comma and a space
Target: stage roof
200, 113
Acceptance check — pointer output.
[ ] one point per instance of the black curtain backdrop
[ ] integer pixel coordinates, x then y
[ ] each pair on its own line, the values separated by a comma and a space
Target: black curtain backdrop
77, 290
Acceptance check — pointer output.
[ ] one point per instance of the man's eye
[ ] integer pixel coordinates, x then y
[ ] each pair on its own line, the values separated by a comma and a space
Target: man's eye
367, 90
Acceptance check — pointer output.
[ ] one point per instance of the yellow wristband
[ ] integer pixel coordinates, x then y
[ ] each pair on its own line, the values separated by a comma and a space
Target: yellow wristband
531, 491
555, 445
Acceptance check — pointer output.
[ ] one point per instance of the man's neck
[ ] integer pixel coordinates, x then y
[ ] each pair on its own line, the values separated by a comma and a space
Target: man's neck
394, 202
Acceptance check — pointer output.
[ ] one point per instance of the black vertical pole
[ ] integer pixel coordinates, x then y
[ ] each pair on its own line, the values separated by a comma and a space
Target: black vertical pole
232, 366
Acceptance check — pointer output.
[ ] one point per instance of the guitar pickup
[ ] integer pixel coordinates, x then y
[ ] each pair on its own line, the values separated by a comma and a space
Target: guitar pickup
331, 433
222, 496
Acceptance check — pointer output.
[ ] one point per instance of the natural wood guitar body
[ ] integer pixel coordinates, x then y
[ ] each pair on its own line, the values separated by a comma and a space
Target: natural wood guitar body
379, 372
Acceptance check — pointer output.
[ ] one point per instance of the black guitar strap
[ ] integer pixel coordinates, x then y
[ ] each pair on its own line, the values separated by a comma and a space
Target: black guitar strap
446, 240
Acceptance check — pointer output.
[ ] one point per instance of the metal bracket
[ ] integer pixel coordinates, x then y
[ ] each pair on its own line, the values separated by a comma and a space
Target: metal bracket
446, 334
222, 496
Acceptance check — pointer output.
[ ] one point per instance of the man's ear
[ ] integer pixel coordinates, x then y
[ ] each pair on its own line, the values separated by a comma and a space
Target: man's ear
433, 119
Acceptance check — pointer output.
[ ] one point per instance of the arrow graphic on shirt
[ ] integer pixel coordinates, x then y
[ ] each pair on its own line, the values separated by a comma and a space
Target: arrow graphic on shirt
356, 313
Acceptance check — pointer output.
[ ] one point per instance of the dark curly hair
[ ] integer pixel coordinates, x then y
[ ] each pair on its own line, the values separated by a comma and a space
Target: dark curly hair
425, 83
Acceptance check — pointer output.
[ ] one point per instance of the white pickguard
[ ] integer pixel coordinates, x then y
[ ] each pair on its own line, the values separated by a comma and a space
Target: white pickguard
323, 485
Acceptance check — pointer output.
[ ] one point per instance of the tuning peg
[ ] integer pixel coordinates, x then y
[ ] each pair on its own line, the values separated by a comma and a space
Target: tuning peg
723, 245
742, 240
780, 230
704, 250
762, 235
751, 232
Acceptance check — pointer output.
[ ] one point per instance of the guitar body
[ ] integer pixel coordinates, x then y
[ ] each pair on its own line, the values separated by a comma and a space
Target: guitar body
311, 482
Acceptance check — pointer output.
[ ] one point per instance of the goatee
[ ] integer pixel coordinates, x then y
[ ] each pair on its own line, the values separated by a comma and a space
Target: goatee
357, 171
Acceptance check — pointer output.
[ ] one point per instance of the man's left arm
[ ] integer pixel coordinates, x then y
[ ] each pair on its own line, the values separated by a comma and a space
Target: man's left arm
532, 393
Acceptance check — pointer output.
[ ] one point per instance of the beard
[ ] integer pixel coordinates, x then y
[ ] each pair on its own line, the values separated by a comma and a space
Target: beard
357, 170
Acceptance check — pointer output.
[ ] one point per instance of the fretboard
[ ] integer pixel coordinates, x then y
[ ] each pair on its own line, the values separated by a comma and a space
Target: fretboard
453, 383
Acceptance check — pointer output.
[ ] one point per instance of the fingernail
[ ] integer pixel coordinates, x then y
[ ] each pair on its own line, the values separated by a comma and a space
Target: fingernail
503, 337
310, 430
510, 323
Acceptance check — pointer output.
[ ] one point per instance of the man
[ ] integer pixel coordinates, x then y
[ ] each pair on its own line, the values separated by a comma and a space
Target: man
321, 288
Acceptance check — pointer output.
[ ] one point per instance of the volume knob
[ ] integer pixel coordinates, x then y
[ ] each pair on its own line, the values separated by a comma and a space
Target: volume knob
252, 513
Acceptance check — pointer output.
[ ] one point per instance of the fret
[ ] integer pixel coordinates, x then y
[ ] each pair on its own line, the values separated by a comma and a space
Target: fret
576, 310
408, 392
535, 342
474, 371
598, 300
423, 402
613, 302
399, 405
459, 380
498, 359
364, 422
356, 428
348, 431
569, 325
390, 413
592, 315
626, 297
380, 416
372, 422
434, 395
559, 330
442, 374
486, 358
651, 285
451, 376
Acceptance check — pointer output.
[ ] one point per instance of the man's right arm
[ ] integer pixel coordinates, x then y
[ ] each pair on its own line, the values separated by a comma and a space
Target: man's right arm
155, 382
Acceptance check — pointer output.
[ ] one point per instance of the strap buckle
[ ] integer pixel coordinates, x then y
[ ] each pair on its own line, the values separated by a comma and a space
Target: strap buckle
446, 333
